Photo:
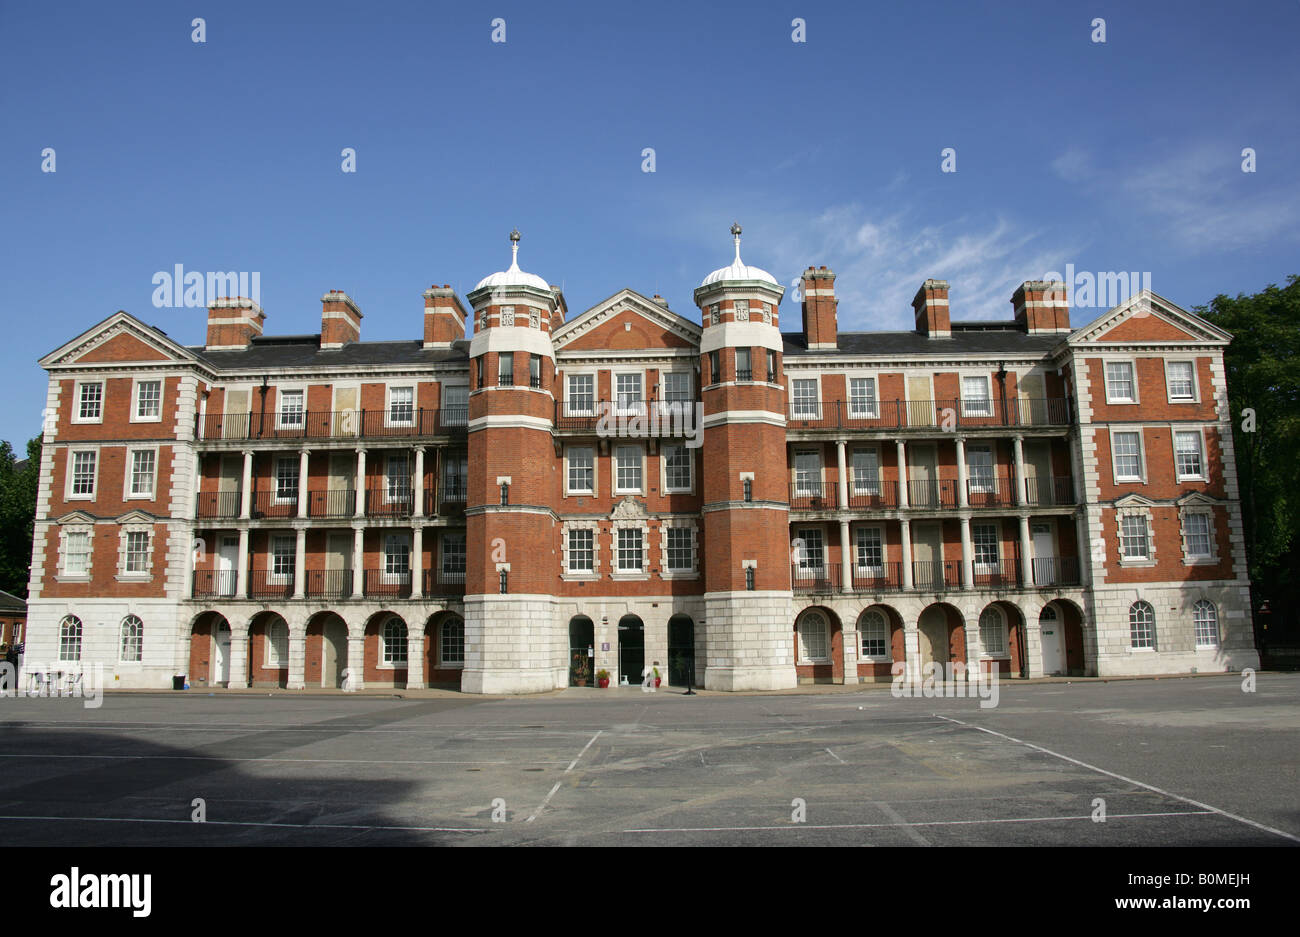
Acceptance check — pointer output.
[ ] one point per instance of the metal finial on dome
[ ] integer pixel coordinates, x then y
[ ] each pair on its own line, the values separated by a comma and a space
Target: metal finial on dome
735, 232
515, 235
514, 249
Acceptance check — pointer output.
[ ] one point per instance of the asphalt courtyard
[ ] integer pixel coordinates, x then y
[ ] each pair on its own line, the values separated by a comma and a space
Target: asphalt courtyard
1176, 761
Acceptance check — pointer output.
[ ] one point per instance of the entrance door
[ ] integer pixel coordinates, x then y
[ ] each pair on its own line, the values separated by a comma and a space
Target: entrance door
1044, 555
338, 565
582, 636
1052, 639
681, 650
221, 638
923, 491
631, 648
1038, 473
347, 421
227, 566
235, 415
920, 402
933, 628
927, 556
334, 653
340, 501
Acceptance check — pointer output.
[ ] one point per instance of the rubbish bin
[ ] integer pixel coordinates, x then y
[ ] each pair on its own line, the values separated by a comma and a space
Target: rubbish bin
178, 682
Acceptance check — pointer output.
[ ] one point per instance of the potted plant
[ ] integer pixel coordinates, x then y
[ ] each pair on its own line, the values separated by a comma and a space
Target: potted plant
658, 679
602, 678
581, 669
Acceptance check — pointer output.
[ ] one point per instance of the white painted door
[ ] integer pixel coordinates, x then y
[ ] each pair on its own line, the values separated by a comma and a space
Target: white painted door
1052, 641
227, 566
222, 641
1044, 555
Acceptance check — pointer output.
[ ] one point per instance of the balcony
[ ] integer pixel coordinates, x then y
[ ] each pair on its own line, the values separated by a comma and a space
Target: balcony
1000, 574
1049, 492
932, 494
217, 504
882, 577
990, 492
268, 504
447, 500
583, 415
936, 575
329, 583
944, 415
440, 582
379, 582
390, 501
823, 578
1052, 571
871, 493
338, 502
398, 423
263, 584
813, 496
215, 583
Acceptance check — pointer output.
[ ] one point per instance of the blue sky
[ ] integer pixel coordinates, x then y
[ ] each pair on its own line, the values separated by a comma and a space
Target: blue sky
226, 155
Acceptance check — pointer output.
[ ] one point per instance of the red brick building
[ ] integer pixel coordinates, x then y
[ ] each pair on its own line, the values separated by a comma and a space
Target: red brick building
561, 494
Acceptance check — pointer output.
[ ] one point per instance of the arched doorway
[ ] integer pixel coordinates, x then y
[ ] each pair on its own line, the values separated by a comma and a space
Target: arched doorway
1063, 618
631, 648
210, 650
327, 650
880, 642
268, 651
818, 646
444, 644
942, 635
1002, 640
681, 650
582, 638
386, 649
1051, 638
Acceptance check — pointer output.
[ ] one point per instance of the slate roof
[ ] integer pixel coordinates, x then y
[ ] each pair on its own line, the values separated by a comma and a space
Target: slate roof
11, 603
303, 351
964, 341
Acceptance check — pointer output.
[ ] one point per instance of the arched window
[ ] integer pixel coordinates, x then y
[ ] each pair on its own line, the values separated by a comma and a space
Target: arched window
277, 644
1048, 613
394, 642
875, 634
70, 638
451, 642
1142, 625
993, 632
1205, 618
132, 639
813, 646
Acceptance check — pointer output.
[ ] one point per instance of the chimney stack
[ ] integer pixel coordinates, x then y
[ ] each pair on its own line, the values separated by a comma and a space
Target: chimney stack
931, 307
444, 317
340, 320
1040, 306
232, 323
820, 327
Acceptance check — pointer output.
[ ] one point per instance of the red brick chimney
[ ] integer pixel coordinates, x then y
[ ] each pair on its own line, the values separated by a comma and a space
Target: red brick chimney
444, 317
340, 320
232, 323
931, 306
820, 328
1041, 306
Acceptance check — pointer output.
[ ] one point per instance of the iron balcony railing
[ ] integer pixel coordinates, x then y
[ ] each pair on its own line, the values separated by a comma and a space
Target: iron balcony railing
395, 422
941, 493
265, 584
218, 504
390, 501
442, 582
813, 496
938, 414
329, 583
990, 491
815, 578
1049, 491
936, 575
1050, 571
275, 503
447, 500
871, 493
215, 583
999, 574
380, 582
881, 577
583, 414
334, 502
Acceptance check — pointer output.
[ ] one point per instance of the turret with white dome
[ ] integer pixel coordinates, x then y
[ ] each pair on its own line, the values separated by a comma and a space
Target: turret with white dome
738, 269
514, 276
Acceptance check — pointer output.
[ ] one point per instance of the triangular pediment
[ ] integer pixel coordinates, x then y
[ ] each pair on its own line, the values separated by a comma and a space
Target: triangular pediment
1147, 319
76, 517
121, 339
137, 517
627, 320
1134, 500
1195, 499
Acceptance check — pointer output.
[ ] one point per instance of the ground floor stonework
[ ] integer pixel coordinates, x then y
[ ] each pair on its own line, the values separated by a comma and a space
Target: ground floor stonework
738, 641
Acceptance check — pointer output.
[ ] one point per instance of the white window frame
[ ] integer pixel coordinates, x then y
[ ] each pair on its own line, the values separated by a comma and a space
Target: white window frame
1209, 556
693, 535
1116, 477
617, 570
981, 483
135, 641
70, 471
1197, 620
71, 629
136, 385
569, 490
796, 402
399, 539
444, 663
630, 409
124, 571
865, 635
805, 564
65, 553
281, 392
281, 579
292, 462
451, 575
617, 462
981, 404
388, 656
446, 392
569, 409
404, 495
272, 659
860, 535
1203, 474
800, 484
1150, 635
1195, 396
870, 485
388, 408
129, 492
1001, 648
589, 530
871, 403
986, 567
1133, 380
77, 401
690, 389
1144, 519
664, 477
825, 637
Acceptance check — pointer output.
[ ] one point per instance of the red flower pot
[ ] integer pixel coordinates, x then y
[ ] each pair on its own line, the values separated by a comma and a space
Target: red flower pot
658, 680
604, 682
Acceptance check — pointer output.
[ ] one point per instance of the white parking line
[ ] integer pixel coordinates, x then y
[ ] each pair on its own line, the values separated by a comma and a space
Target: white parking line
912, 823
1112, 774
547, 800
293, 826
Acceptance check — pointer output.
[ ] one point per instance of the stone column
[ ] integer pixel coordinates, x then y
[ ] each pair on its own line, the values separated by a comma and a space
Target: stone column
414, 657
246, 491
358, 561
300, 563
302, 482
357, 658
238, 654
417, 561
849, 639
241, 572
967, 557
963, 499
1026, 562
297, 657
846, 559
1018, 443
906, 565
361, 483
844, 478
1075, 480
902, 476
418, 507
912, 651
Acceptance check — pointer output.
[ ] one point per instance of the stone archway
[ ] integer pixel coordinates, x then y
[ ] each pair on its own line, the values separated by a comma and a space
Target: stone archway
881, 642
268, 650
211, 650
942, 635
327, 650
818, 646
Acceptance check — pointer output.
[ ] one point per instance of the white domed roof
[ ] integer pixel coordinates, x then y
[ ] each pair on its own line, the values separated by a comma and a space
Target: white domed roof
514, 276
739, 270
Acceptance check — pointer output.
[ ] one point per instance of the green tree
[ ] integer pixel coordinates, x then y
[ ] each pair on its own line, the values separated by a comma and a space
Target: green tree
1263, 373
17, 515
